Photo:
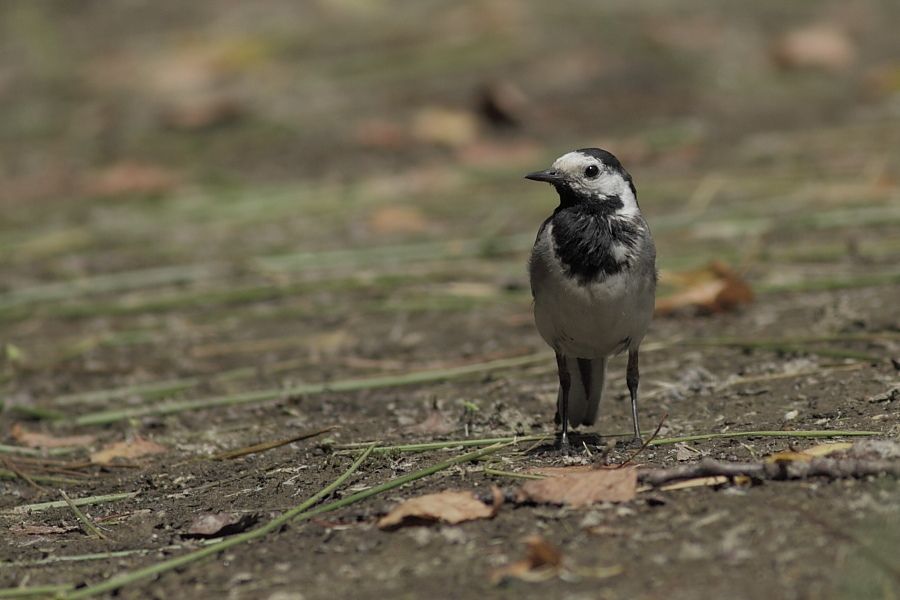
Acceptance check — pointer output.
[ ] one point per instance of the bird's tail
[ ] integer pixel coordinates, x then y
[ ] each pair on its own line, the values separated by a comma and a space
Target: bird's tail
585, 389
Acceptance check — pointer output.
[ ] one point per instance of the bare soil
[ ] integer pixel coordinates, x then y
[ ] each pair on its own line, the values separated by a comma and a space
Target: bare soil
279, 258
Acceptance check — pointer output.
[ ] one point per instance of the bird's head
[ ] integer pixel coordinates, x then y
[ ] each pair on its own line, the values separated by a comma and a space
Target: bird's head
591, 175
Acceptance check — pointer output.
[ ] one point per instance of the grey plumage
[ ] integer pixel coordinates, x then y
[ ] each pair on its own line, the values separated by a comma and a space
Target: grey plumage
593, 278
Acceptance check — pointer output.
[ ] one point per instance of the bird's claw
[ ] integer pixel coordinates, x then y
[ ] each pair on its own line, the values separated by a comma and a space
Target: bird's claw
635, 443
563, 446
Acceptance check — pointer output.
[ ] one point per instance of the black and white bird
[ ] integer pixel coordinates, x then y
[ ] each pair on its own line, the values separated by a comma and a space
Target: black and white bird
593, 279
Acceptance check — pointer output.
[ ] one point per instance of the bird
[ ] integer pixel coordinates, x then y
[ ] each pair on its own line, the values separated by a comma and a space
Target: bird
593, 281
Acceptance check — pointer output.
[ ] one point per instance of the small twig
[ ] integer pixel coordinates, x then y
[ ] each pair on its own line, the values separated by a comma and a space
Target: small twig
23, 475
31, 508
499, 473
264, 446
778, 470
88, 524
645, 444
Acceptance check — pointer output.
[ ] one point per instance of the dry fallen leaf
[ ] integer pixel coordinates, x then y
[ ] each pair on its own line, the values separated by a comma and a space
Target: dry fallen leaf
807, 455
788, 455
692, 483
129, 179
820, 46
34, 439
582, 488
220, 524
447, 507
712, 289
828, 448
134, 448
542, 561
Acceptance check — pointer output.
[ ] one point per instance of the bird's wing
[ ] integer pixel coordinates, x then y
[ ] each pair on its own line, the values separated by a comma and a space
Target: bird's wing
534, 246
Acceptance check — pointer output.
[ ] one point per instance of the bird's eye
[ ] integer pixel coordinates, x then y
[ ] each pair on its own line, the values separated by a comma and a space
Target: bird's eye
592, 171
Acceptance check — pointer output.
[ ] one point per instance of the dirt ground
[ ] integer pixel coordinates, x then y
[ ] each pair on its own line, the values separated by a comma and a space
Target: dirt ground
217, 201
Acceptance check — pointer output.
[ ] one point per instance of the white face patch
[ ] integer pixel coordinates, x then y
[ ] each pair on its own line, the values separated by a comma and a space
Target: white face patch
607, 183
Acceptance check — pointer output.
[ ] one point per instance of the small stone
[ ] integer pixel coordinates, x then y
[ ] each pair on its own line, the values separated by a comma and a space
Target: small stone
421, 536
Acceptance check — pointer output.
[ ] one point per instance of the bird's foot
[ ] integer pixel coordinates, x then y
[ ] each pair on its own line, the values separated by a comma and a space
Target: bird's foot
563, 446
634, 443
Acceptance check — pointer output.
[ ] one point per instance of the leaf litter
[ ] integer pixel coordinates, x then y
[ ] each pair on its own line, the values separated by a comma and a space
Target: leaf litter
451, 507
136, 447
575, 487
582, 487
712, 289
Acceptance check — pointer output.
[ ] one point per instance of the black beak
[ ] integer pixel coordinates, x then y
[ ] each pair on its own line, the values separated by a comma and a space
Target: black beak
548, 175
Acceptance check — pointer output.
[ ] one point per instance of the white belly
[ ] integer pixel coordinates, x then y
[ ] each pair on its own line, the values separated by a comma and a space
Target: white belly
588, 321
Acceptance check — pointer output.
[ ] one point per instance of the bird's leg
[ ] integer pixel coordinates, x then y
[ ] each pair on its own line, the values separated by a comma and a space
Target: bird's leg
562, 411
632, 377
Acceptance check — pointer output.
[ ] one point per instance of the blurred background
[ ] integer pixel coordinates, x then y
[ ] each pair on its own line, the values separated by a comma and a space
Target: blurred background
209, 208
175, 175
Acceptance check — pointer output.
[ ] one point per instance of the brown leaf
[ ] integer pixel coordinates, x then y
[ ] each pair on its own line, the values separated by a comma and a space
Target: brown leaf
134, 448
820, 46
35, 439
445, 127
398, 219
810, 453
827, 448
129, 179
220, 524
712, 289
542, 561
447, 507
582, 488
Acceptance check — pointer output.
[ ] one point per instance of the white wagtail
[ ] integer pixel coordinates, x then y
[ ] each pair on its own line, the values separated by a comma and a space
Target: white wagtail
593, 279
